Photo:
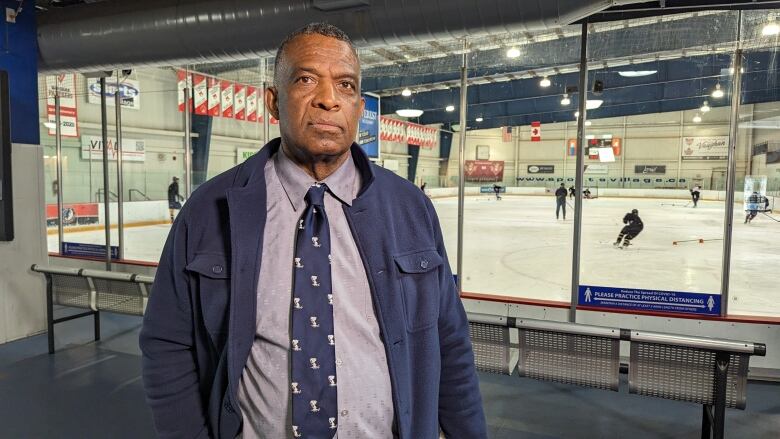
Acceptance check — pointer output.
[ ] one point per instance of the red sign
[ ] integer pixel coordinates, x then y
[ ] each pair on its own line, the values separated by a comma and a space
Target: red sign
183, 80
73, 214
484, 170
214, 93
200, 93
226, 92
251, 104
239, 102
536, 131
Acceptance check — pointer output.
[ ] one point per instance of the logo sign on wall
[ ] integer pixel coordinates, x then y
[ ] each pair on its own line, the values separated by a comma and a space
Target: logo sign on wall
705, 148
133, 150
649, 300
597, 169
541, 169
650, 169
245, 153
129, 92
368, 127
484, 170
65, 86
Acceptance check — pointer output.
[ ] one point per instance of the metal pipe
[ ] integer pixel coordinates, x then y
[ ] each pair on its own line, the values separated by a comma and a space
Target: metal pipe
187, 141
517, 156
119, 163
266, 121
58, 147
728, 221
462, 157
680, 152
106, 192
579, 173
624, 148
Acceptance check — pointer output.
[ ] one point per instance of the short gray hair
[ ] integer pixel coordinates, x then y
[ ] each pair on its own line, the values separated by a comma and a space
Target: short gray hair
324, 29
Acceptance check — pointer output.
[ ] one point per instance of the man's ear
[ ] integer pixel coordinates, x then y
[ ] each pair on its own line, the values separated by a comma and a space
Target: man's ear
272, 101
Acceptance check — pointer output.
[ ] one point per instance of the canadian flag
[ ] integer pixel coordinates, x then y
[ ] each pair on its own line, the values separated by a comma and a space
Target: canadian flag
200, 94
536, 131
251, 103
239, 102
214, 93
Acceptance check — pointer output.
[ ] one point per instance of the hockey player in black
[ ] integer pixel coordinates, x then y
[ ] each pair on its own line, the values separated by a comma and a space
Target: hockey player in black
497, 190
754, 205
695, 194
572, 192
633, 226
560, 200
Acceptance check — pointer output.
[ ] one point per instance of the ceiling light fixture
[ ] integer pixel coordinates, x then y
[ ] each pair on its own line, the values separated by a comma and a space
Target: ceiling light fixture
513, 52
409, 112
771, 28
406, 92
637, 73
565, 101
697, 118
705, 107
450, 108
576, 114
545, 82
592, 104
479, 119
718, 92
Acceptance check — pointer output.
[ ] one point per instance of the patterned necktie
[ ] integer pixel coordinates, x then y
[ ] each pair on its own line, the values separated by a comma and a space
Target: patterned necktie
313, 377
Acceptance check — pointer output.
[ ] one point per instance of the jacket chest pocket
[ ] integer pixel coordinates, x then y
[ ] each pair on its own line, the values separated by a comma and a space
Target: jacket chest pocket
210, 274
419, 275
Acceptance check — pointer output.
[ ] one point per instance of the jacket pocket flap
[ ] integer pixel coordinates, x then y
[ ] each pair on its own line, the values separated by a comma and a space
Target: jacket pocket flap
418, 262
210, 265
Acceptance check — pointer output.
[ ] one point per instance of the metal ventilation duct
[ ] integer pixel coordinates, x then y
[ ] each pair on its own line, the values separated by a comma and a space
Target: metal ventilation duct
118, 34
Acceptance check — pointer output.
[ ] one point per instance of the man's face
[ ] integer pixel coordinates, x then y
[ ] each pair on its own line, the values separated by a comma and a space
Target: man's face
318, 100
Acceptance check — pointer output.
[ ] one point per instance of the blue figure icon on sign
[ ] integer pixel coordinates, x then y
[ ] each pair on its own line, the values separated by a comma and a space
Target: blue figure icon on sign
710, 303
588, 295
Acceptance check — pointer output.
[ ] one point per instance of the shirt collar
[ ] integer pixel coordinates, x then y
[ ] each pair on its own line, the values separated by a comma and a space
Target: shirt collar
342, 184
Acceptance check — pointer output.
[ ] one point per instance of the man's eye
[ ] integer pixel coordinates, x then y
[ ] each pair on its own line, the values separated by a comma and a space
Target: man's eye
306, 80
348, 85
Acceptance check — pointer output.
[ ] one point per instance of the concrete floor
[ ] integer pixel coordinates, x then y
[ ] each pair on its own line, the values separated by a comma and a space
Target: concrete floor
94, 390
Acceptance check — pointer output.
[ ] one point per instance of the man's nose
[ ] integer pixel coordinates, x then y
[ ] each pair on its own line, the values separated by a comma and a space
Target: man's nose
325, 97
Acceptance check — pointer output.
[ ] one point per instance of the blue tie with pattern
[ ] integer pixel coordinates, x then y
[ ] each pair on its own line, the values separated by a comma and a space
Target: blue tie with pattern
313, 377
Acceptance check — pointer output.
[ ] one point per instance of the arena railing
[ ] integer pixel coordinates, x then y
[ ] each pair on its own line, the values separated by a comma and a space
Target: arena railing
707, 371
93, 290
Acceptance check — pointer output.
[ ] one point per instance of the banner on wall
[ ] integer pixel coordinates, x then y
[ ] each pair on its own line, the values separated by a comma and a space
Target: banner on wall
536, 131
368, 126
133, 150
215, 90
129, 92
421, 135
541, 169
649, 300
239, 102
226, 93
183, 80
77, 214
200, 94
596, 169
251, 103
484, 170
65, 86
705, 148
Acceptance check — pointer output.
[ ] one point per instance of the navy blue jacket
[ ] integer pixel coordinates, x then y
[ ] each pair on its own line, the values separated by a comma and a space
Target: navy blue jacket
200, 320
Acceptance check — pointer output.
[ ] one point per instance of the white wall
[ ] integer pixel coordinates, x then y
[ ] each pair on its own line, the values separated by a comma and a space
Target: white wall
22, 292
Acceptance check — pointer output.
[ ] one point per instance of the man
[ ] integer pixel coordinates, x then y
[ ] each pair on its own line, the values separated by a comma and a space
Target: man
586, 193
174, 197
497, 191
306, 292
572, 192
560, 200
633, 227
755, 203
695, 194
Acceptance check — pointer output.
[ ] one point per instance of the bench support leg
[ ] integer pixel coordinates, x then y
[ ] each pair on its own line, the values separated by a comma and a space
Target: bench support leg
706, 425
721, 375
97, 325
49, 314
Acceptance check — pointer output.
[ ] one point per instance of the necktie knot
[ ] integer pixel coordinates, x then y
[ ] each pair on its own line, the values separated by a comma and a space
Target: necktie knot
316, 195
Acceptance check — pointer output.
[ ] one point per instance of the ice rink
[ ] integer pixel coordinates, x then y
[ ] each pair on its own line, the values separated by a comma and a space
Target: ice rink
516, 247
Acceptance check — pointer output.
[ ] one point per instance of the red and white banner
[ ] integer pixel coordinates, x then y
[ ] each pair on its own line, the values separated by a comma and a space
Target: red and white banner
200, 93
536, 131
226, 92
239, 102
215, 90
394, 130
251, 103
484, 170
274, 121
421, 135
65, 86
183, 80
506, 134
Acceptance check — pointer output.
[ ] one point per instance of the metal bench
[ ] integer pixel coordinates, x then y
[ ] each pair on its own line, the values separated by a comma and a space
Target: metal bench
94, 290
702, 370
